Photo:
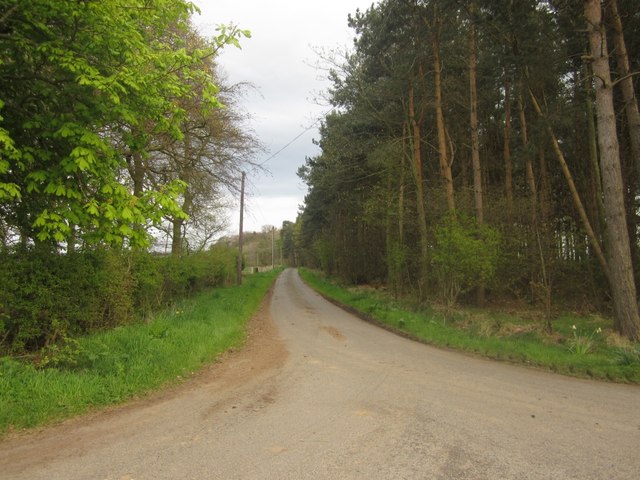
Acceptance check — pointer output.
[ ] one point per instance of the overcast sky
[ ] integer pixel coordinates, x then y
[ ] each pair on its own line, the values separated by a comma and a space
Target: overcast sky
279, 60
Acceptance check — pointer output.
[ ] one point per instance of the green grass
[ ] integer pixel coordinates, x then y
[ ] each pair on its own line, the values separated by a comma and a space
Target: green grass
117, 365
583, 351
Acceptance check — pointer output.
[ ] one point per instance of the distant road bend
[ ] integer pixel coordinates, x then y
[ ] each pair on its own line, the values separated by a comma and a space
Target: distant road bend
319, 394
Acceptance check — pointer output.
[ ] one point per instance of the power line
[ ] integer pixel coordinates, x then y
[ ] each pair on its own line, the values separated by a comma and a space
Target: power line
294, 139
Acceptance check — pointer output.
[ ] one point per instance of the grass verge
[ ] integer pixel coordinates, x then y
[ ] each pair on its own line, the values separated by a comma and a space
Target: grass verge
114, 366
578, 346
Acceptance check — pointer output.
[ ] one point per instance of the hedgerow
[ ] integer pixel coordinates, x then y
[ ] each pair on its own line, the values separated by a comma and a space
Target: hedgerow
49, 297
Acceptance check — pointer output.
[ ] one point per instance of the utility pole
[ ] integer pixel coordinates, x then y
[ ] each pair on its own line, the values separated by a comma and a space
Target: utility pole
273, 248
239, 265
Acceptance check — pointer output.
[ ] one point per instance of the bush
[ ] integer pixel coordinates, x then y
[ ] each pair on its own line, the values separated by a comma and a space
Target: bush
465, 255
49, 297
148, 281
46, 297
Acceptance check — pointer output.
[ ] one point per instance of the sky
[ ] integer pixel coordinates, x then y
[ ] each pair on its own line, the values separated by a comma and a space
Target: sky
280, 60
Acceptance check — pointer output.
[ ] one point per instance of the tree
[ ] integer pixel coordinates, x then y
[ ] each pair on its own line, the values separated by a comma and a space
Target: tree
465, 255
391, 48
84, 86
626, 82
215, 147
443, 142
623, 285
509, 79
473, 113
287, 235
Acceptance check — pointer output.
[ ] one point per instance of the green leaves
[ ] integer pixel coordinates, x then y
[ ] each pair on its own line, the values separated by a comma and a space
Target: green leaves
465, 255
92, 208
230, 35
51, 226
85, 86
9, 191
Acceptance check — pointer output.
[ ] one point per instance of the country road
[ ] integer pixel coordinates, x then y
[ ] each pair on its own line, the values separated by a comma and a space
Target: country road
319, 394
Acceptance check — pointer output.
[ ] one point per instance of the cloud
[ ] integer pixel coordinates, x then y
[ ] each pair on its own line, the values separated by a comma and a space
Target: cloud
276, 60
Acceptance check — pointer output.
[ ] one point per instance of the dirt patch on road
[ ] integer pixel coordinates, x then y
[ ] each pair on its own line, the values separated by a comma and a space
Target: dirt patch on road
334, 332
262, 351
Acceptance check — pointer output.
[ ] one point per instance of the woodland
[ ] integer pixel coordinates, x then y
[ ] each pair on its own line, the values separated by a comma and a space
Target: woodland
476, 152
482, 152
117, 129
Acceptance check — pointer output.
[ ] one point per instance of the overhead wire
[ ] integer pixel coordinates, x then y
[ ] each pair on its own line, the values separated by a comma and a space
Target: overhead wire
310, 127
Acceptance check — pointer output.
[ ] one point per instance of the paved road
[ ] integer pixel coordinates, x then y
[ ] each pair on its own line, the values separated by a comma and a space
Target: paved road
319, 394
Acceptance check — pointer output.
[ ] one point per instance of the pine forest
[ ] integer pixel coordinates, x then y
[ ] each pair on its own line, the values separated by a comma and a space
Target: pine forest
483, 151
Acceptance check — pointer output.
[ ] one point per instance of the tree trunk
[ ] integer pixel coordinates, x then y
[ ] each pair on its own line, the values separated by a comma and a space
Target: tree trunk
240, 258
626, 83
416, 139
137, 170
473, 116
475, 137
537, 282
392, 281
401, 265
524, 134
596, 181
623, 286
394, 237
176, 236
443, 150
508, 164
177, 239
544, 197
575, 195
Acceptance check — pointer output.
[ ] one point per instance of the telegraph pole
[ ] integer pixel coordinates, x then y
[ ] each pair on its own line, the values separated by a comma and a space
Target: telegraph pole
273, 250
239, 265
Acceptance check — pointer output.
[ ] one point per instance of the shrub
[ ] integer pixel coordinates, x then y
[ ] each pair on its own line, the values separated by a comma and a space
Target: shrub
49, 297
148, 282
465, 255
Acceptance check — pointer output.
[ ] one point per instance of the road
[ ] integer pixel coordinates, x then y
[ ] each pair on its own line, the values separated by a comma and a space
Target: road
320, 394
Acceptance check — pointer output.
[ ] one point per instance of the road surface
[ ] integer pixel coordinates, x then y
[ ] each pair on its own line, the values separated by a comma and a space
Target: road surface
320, 394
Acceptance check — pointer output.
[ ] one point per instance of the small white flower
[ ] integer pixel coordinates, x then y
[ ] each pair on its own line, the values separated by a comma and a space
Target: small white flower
573, 327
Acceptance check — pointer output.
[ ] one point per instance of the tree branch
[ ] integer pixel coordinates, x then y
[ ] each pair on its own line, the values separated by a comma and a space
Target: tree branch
621, 79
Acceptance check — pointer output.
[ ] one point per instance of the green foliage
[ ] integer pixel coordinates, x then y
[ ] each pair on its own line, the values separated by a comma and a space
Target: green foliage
580, 343
465, 255
628, 356
325, 254
287, 235
63, 354
113, 366
184, 275
377, 185
397, 260
86, 87
48, 298
340, 228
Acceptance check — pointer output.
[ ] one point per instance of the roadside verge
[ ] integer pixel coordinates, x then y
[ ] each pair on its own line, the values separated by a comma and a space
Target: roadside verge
497, 336
128, 362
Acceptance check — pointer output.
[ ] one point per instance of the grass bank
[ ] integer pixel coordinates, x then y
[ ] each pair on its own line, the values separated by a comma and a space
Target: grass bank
578, 346
117, 365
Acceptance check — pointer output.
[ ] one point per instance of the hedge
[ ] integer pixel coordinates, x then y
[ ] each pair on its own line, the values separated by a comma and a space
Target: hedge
46, 297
